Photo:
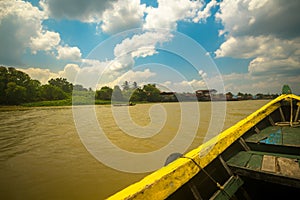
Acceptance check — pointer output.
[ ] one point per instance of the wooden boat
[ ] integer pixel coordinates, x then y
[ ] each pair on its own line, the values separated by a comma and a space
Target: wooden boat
257, 158
124, 104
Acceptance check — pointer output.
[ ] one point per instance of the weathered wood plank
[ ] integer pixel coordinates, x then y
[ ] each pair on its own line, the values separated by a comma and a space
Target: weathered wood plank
255, 162
291, 156
282, 115
241, 159
291, 136
264, 134
282, 150
268, 163
266, 176
244, 145
297, 113
289, 167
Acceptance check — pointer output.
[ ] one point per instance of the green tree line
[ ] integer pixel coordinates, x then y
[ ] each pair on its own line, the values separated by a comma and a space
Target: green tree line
147, 93
17, 87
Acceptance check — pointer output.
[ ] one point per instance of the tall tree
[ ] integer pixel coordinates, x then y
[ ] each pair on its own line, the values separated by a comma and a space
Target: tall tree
62, 83
79, 88
104, 93
134, 85
138, 95
51, 92
152, 93
15, 94
17, 87
117, 94
33, 89
19, 77
126, 85
3, 83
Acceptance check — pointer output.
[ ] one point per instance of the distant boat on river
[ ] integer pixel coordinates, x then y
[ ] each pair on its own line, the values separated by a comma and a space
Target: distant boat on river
125, 104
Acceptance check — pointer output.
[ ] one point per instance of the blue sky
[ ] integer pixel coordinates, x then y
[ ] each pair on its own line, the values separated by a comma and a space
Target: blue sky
248, 46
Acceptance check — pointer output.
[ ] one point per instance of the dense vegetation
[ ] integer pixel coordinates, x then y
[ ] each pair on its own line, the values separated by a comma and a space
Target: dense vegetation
148, 93
17, 87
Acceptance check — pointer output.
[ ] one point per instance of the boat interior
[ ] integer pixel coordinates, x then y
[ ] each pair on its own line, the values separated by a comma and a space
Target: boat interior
264, 163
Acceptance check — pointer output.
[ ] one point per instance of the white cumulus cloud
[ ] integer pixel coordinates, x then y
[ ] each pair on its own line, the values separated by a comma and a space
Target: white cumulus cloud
168, 13
206, 12
142, 44
45, 40
42, 75
22, 29
124, 14
19, 22
140, 77
266, 33
70, 72
68, 53
86, 11
185, 85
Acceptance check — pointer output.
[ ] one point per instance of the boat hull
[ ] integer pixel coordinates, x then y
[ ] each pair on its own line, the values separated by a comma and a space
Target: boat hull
238, 163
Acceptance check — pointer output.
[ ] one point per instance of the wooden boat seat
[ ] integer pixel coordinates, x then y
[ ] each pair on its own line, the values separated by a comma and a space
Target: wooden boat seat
273, 155
276, 135
276, 168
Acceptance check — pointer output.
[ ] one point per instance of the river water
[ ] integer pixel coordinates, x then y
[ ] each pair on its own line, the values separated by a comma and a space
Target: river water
43, 157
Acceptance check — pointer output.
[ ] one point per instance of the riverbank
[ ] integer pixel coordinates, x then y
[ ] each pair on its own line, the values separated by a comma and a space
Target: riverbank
66, 102
69, 102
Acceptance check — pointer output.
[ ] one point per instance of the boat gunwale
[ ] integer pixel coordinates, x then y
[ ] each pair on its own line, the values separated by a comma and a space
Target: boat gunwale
166, 180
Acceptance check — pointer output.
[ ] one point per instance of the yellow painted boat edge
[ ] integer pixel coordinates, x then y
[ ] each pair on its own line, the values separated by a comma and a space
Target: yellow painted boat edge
163, 182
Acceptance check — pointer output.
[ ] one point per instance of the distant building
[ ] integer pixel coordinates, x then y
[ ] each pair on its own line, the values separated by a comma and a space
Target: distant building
186, 97
168, 96
167, 93
205, 95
